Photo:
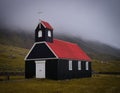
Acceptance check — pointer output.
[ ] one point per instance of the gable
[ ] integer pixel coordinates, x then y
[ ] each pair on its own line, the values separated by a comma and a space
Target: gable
40, 51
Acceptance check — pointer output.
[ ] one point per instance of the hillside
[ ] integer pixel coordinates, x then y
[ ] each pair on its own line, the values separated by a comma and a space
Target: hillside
16, 38
15, 45
95, 50
12, 60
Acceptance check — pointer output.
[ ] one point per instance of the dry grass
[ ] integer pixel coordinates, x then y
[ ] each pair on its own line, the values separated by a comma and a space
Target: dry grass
106, 66
12, 58
96, 84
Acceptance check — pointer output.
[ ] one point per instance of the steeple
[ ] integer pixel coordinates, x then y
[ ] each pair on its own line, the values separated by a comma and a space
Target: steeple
44, 32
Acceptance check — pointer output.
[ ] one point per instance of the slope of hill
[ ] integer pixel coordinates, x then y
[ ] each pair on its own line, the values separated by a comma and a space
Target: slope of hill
95, 50
16, 38
12, 58
13, 44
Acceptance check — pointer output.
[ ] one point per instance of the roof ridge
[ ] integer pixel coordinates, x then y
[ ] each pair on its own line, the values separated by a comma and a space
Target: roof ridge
46, 24
66, 41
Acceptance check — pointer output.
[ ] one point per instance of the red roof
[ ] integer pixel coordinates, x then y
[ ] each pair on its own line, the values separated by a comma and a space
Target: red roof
46, 25
67, 50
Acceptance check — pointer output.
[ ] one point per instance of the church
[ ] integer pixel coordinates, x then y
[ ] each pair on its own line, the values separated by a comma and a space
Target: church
55, 59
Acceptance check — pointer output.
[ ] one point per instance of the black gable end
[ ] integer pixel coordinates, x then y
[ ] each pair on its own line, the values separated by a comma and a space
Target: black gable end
39, 51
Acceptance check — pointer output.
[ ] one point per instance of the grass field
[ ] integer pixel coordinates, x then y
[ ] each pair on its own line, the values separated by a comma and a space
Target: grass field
96, 84
12, 60
106, 66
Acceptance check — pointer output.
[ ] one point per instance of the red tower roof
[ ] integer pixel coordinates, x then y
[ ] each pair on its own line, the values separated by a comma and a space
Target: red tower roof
46, 25
67, 50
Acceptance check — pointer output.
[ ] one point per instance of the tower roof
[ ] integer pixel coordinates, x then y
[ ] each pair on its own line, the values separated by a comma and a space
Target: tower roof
46, 25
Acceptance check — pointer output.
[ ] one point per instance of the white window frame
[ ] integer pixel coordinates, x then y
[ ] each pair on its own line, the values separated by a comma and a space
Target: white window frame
49, 33
70, 64
79, 65
87, 65
40, 33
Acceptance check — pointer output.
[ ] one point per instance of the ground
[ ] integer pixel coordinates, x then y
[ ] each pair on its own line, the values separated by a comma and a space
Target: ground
95, 84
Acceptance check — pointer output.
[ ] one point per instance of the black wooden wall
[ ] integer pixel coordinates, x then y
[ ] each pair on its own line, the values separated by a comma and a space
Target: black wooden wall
29, 69
65, 73
40, 51
58, 69
52, 69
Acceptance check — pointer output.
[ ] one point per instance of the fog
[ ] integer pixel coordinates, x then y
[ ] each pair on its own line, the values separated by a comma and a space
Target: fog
90, 19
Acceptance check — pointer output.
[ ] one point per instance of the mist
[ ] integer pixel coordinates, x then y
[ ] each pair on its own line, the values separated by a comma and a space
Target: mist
90, 19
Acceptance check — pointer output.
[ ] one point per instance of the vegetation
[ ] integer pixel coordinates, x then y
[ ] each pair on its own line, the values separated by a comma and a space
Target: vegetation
105, 66
16, 38
96, 84
12, 58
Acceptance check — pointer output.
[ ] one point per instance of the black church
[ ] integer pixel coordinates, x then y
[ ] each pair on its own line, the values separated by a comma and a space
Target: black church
55, 59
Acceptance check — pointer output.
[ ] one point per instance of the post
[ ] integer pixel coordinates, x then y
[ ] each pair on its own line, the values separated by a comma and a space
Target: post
8, 76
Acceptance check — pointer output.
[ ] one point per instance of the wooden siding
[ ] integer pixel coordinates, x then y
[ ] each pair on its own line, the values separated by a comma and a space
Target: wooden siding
58, 69
51, 69
29, 69
40, 51
65, 73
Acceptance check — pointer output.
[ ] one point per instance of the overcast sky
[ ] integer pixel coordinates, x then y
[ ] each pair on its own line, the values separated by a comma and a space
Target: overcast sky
90, 19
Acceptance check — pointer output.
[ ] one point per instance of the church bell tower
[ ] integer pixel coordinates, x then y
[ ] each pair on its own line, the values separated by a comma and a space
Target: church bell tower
44, 32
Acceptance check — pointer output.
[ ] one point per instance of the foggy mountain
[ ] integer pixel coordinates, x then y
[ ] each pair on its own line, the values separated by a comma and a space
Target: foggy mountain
94, 49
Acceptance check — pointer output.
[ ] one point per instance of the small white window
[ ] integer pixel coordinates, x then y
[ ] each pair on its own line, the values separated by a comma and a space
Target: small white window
40, 33
49, 33
79, 65
70, 65
87, 65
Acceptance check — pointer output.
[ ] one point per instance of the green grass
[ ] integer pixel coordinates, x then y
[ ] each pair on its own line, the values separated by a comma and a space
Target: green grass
96, 84
5, 78
12, 58
106, 66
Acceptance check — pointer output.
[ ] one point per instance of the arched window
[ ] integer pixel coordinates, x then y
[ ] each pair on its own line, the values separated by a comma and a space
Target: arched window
40, 33
49, 33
